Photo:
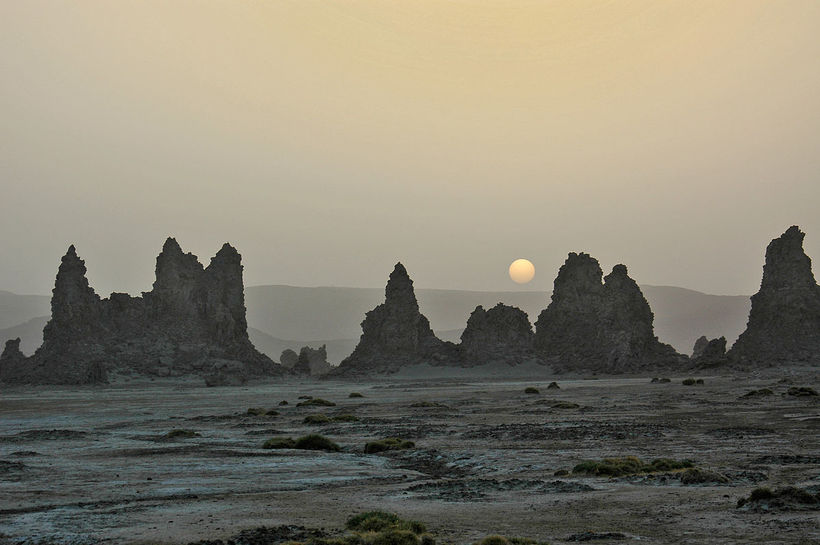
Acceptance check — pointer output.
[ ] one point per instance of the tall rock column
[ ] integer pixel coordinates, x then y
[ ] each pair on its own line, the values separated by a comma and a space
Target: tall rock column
784, 321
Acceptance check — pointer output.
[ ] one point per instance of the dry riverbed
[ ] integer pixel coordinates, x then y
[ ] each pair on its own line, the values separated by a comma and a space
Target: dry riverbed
95, 465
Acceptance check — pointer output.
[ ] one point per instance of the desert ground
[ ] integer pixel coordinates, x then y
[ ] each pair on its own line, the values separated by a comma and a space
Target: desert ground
94, 465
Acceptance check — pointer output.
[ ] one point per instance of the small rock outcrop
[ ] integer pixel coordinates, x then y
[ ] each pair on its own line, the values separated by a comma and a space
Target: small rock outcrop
312, 361
395, 333
502, 334
289, 358
709, 353
192, 322
602, 327
784, 322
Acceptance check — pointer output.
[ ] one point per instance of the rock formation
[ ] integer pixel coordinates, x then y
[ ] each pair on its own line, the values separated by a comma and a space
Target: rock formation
601, 327
289, 358
709, 353
312, 361
502, 334
784, 322
192, 322
395, 333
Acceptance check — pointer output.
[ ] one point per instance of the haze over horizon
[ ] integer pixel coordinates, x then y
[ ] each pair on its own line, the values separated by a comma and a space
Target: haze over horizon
326, 141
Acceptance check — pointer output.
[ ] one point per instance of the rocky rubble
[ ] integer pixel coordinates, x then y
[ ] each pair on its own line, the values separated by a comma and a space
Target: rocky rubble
784, 322
396, 333
601, 327
192, 322
502, 334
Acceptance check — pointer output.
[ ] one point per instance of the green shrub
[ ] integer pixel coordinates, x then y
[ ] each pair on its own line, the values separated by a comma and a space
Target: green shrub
355, 394
527, 390
389, 443
396, 537
380, 521
316, 419
316, 442
316, 402
181, 434
688, 382
629, 465
279, 442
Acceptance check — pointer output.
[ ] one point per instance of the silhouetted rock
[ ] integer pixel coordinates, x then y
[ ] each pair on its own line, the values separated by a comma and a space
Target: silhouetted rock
192, 322
12, 360
502, 334
784, 322
312, 361
603, 327
289, 358
709, 353
395, 333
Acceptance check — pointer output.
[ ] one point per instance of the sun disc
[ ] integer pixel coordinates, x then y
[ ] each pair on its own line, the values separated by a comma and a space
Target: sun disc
522, 271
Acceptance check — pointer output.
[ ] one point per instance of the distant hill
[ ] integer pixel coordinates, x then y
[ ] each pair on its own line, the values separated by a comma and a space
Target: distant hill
16, 309
30, 333
327, 315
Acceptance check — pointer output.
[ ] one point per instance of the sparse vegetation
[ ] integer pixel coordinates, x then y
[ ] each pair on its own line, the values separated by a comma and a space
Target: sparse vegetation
316, 419
316, 442
691, 381
553, 386
181, 434
501, 540
629, 465
527, 390
279, 442
786, 498
355, 394
381, 521
283, 402
702, 476
565, 405
316, 402
389, 443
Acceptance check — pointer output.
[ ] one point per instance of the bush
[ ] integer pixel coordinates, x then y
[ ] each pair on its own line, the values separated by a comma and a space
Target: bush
355, 394
389, 443
316, 419
553, 386
284, 402
279, 442
316, 402
629, 465
256, 411
379, 521
665, 380
758, 393
396, 537
688, 382
316, 442
527, 390
181, 434
428, 405
787, 497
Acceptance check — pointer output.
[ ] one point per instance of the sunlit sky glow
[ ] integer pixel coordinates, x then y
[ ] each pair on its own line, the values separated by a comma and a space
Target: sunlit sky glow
328, 140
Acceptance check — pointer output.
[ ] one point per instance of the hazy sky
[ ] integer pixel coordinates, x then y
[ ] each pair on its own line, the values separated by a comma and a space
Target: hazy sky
327, 140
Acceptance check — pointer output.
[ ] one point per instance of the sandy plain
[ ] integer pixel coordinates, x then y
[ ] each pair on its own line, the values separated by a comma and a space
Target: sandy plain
91, 465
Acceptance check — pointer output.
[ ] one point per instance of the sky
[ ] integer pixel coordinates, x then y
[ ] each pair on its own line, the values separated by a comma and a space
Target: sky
328, 140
